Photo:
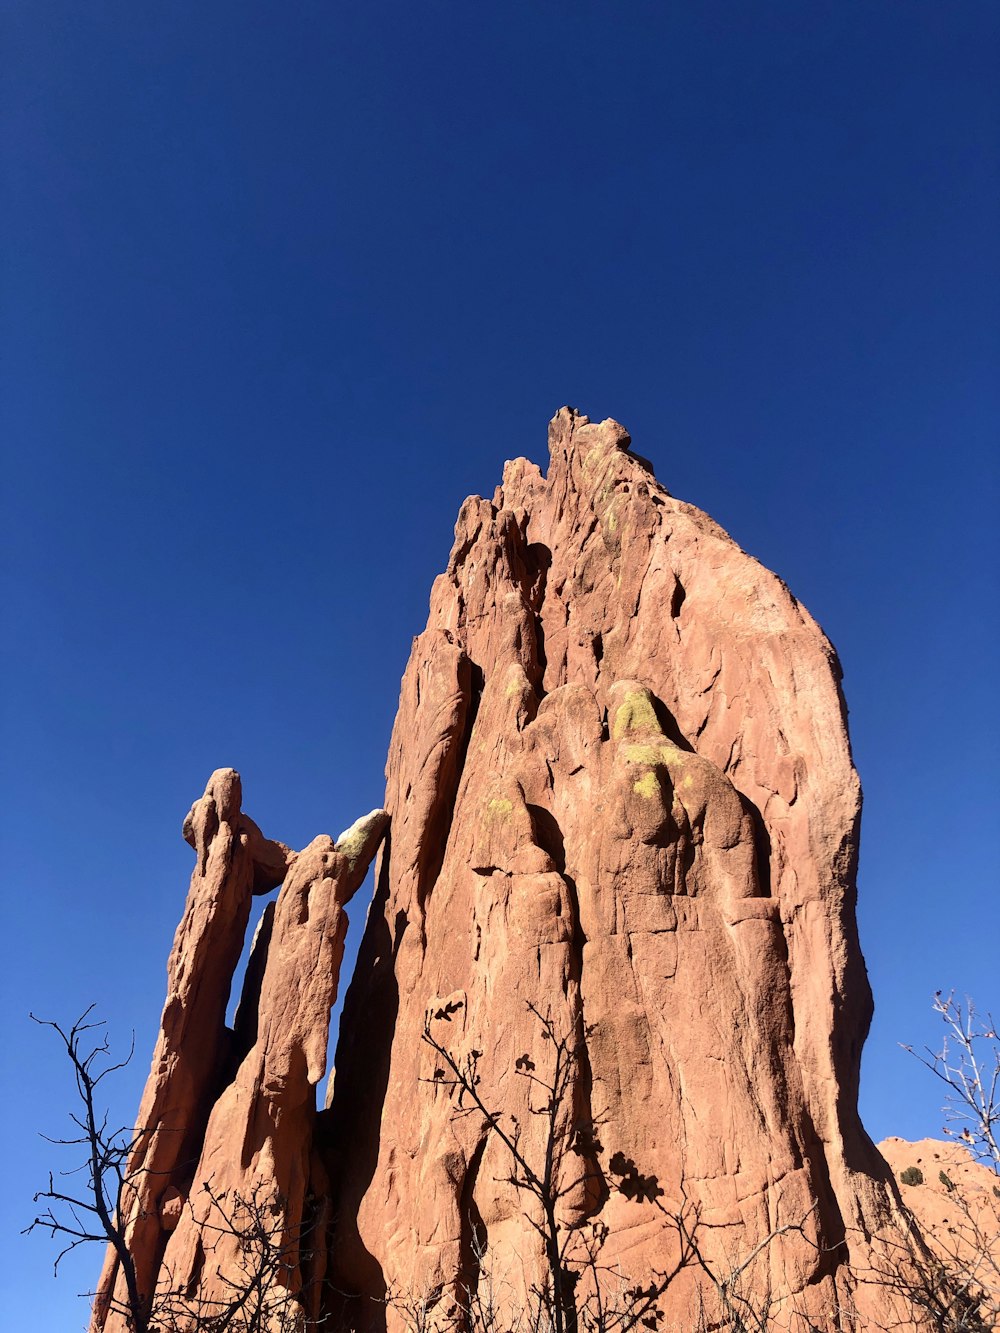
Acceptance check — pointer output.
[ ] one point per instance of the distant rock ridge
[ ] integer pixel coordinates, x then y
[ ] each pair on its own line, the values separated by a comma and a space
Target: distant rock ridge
955, 1201
619, 789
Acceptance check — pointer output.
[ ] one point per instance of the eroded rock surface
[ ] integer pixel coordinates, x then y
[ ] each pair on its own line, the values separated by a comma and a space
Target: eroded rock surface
227, 1115
623, 812
621, 789
955, 1202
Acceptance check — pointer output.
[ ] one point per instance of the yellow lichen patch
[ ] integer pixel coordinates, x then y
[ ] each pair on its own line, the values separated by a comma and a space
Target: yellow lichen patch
665, 753
644, 754
688, 781
647, 785
635, 713
613, 502
349, 843
517, 682
607, 496
500, 807
593, 457
353, 841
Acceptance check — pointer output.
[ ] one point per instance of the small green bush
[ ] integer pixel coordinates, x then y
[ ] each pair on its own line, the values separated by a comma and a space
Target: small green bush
912, 1176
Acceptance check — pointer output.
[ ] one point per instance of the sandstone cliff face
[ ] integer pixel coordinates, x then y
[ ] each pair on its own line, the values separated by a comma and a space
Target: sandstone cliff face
624, 817
621, 789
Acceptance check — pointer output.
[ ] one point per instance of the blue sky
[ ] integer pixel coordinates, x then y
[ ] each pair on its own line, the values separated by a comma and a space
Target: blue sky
284, 283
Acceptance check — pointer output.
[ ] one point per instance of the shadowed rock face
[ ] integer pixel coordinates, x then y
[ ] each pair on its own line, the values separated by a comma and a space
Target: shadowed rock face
621, 789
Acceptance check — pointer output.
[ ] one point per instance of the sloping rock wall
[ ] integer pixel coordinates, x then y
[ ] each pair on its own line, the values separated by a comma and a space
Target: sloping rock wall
955, 1202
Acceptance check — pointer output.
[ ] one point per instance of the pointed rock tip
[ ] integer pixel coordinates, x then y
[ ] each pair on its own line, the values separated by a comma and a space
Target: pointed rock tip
517, 470
571, 430
225, 788
362, 824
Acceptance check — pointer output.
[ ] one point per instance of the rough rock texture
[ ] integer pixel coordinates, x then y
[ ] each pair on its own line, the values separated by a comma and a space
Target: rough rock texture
622, 804
956, 1205
234, 1109
621, 788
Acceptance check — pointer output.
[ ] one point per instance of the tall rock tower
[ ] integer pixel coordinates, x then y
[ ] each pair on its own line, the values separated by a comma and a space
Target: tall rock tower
621, 830
621, 793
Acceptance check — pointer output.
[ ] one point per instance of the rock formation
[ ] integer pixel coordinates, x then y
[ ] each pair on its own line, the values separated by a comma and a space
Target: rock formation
624, 827
620, 787
227, 1115
955, 1201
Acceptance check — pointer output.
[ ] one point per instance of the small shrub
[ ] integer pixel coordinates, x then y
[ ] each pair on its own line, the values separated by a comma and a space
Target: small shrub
912, 1176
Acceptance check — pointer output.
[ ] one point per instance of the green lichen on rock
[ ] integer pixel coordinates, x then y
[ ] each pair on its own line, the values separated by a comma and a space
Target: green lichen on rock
644, 754
635, 713
598, 454
664, 754
361, 839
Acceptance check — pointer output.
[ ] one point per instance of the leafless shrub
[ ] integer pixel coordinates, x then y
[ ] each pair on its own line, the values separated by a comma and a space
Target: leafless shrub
251, 1291
580, 1292
968, 1063
108, 1190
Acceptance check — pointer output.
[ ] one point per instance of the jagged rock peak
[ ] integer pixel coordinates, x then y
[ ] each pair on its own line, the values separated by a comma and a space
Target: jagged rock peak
571, 430
624, 817
622, 791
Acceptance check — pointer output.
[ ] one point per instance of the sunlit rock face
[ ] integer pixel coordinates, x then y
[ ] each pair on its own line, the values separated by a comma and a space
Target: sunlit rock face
621, 791
620, 830
224, 1150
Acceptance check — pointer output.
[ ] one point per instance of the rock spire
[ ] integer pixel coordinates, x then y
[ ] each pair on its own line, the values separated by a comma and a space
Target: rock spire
226, 1119
621, 789
621, 814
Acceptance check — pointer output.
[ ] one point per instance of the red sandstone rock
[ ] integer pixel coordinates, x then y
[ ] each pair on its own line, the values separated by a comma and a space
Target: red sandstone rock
621, 789
229, 1111
621, 792
956, 1205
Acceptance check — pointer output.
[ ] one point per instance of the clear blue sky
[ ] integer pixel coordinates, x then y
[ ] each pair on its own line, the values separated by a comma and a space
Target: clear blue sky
283, 283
